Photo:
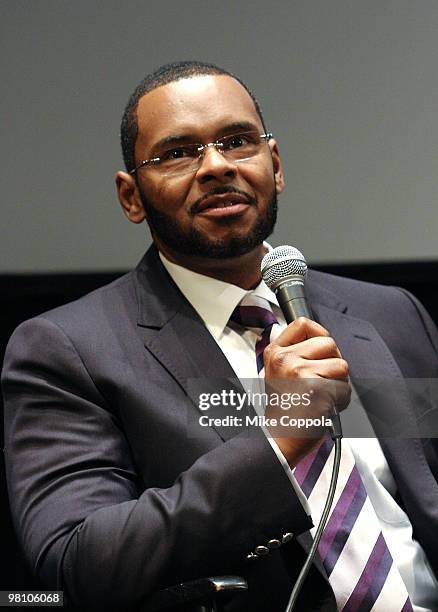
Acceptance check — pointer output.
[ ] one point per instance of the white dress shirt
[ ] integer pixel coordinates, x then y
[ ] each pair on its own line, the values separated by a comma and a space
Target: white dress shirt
214, 301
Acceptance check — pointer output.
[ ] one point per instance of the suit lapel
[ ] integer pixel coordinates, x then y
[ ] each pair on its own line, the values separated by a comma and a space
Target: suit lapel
195, 361
373, 369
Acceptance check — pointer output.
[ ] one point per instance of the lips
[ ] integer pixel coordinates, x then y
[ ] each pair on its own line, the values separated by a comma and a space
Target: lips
225, 200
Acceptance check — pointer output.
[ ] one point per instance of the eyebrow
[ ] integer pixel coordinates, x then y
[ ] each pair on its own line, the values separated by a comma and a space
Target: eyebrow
176, 139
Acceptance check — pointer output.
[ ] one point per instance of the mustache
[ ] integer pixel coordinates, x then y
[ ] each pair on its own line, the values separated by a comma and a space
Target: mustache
219, 191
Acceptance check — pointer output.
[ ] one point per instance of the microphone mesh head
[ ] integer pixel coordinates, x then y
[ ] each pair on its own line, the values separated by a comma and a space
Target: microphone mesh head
281, 262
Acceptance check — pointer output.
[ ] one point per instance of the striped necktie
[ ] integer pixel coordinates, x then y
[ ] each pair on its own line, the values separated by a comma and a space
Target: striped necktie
254, 313
352, 548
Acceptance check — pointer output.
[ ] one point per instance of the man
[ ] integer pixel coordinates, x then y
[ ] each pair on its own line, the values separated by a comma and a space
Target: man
115, 487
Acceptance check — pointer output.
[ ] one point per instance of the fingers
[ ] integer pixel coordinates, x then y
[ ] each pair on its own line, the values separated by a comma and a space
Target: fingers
304, 350
304, 363
285, 364
299, 330
322, 347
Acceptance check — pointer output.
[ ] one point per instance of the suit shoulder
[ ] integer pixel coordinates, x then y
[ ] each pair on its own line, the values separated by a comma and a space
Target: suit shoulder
357, 294
89, 301
396, 313
334, 282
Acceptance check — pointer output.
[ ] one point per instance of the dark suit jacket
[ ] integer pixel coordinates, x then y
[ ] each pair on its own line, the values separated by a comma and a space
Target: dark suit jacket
113, 496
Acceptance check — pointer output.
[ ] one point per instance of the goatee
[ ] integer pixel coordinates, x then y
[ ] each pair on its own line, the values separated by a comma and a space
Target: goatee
196, 242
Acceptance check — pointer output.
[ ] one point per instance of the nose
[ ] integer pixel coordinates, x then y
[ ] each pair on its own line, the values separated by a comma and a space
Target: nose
215, 167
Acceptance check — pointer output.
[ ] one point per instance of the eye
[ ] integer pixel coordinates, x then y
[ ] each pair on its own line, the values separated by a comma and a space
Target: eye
234, 142
180, 153
237, 141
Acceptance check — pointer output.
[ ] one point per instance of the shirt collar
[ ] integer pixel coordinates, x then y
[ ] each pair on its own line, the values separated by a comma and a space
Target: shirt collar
213, 300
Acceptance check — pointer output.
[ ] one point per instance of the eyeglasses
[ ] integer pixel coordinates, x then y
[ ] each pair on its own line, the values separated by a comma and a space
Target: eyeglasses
188, 157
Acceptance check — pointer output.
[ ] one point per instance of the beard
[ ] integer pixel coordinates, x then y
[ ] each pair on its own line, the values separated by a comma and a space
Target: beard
197, 242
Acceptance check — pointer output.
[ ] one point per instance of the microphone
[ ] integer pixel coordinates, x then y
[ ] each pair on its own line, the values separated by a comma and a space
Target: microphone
284, 270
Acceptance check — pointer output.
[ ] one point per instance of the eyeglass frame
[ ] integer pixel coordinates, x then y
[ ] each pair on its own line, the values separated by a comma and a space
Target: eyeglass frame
201, 148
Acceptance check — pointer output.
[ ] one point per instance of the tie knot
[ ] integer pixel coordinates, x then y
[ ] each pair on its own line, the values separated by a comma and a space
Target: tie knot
253, 311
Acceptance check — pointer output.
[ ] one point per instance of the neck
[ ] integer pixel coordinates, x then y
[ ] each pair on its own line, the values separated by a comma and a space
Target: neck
243, 271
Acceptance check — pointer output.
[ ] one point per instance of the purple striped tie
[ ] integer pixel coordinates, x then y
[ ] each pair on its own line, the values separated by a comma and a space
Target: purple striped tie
353, 550
254, 313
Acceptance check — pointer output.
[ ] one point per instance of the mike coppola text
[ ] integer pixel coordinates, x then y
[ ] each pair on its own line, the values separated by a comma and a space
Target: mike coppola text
235, 400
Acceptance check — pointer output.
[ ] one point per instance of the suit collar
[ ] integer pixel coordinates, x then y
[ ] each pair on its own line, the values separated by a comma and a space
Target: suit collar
373, 368
158, 298
360, 343
213, 299
319, 294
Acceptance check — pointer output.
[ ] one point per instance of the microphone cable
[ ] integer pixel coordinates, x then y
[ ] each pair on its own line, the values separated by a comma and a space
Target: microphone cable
336, 436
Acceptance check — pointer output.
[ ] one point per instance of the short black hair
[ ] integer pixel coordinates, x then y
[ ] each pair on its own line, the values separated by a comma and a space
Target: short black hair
168, 73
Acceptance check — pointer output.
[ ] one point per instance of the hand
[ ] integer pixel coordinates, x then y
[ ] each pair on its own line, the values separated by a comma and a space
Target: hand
304, 360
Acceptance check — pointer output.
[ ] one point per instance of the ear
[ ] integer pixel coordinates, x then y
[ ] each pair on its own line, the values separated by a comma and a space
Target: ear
129, 197
278, 168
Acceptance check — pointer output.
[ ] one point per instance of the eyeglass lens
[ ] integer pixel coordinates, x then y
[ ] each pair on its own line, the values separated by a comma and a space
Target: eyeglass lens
186, 158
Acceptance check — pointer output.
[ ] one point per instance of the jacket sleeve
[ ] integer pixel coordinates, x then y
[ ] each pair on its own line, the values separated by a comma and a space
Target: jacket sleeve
84, 519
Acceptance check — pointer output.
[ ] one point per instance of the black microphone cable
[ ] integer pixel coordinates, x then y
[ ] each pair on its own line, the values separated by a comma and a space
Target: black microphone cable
336, 436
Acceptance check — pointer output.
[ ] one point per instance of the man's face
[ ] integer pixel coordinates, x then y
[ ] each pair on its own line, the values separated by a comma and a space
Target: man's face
224, 208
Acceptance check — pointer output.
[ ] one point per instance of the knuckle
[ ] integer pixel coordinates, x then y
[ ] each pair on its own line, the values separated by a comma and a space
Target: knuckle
331, 344
302, 321
344, 368
285, 360
300, 324
268, 352
279, 357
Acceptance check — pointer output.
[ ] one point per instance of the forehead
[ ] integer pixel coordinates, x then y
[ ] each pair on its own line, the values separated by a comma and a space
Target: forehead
198, 106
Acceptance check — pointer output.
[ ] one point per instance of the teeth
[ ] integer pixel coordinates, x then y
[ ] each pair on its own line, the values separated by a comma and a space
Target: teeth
223, 204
